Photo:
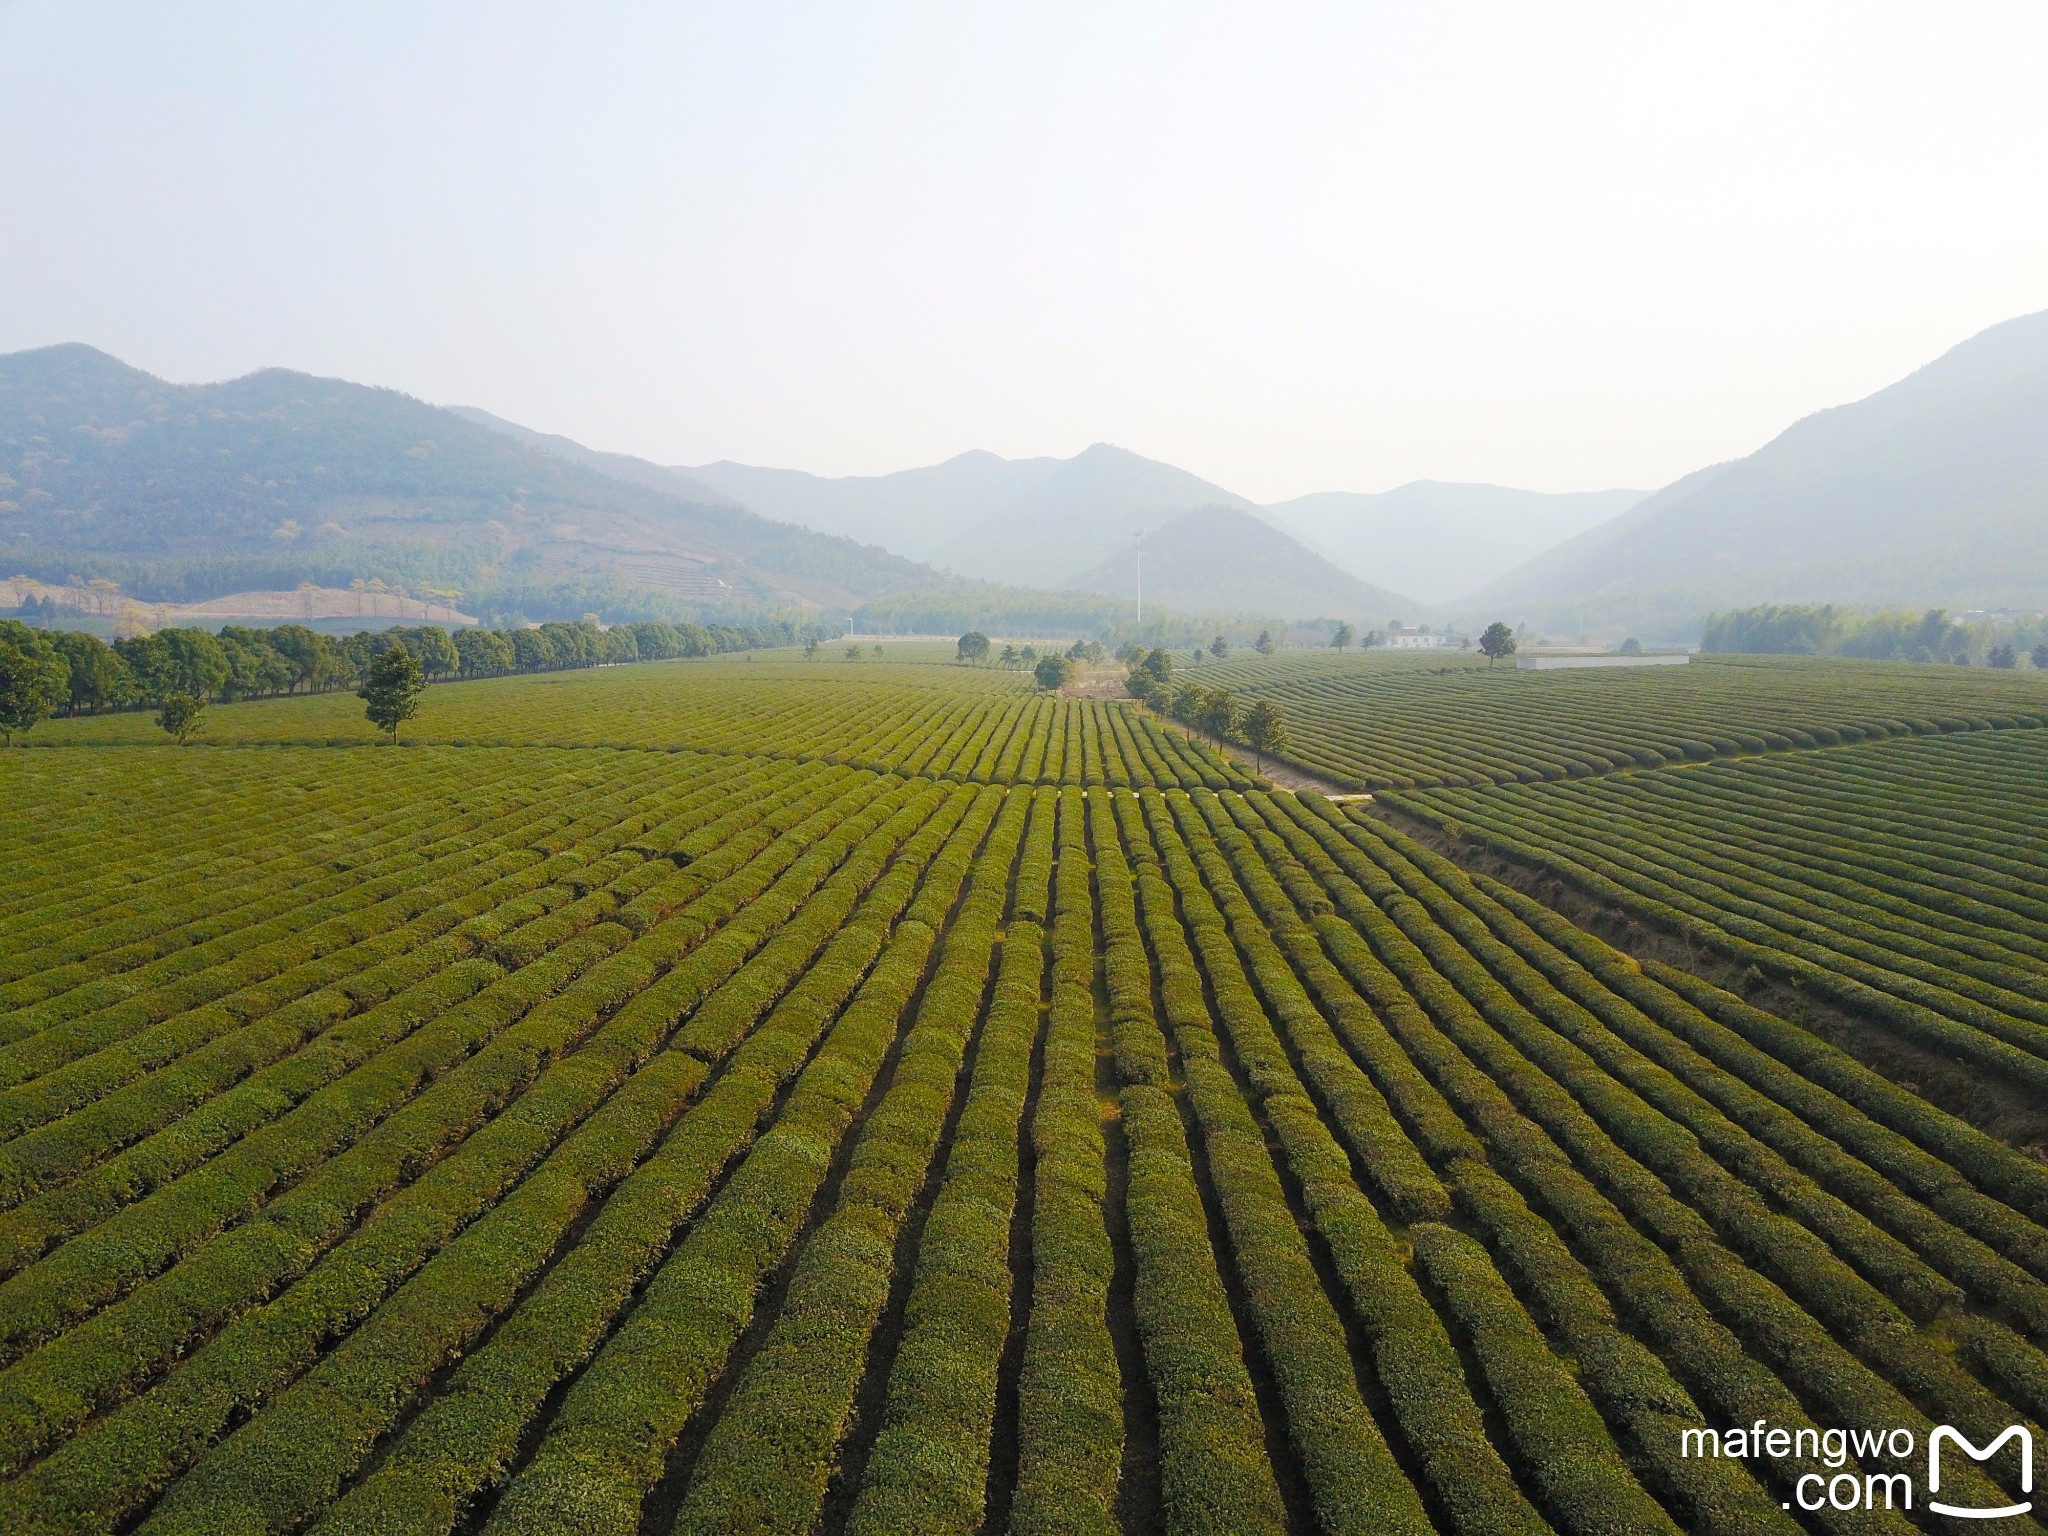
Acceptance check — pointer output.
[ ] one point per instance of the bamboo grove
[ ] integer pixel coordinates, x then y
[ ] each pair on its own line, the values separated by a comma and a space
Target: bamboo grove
720, 1097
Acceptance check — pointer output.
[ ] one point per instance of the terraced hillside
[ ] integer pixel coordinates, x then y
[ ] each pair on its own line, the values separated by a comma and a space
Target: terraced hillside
738, 1137
1420, 721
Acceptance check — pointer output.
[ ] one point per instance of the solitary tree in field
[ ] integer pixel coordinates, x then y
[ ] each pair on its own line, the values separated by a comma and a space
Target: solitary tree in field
179, 714
1219, 647
1342, 636
2041, 658
1265, 645
811, 649
974, 647
391, 692
853, 653
1496, 642
2004, 657
1262, 728
1052, 672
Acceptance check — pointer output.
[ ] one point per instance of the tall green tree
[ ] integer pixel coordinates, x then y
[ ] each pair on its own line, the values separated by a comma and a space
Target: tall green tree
1264, 645
391, 692
99, 678
1219, 647
1219, 713
1497, 641
484, 650
179, 714
1052, 672
174, 661
973, 647
255, 666
307, 652
34, 680
1264, 730
1342, 636
437, 655
532, 649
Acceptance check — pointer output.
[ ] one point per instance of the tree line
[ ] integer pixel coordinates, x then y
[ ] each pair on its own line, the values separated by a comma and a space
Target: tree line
179, 672
1793, 629
1053, 670
1202, 707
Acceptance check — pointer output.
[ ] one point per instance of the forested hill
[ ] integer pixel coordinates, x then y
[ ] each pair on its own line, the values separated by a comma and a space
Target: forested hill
1931, 492
189, 491
1218, 548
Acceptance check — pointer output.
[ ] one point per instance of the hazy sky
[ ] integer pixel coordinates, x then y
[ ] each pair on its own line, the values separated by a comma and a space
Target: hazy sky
1289, 248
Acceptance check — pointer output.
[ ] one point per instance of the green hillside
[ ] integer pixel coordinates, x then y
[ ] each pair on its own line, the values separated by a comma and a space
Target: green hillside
190, 491
1933, 491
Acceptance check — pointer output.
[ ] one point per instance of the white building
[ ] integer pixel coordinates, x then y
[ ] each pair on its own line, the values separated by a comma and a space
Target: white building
1401, 638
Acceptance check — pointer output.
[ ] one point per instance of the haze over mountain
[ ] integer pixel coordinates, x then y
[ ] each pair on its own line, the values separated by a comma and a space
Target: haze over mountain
1032, 521
191, 491
1933, 491
1215, 549
915, 512
1010, 519
1438, 539
620, 466
1051, 523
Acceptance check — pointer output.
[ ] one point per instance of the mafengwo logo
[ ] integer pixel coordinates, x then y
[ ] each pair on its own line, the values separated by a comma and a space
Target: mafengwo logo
1945, 1434
1854, 1477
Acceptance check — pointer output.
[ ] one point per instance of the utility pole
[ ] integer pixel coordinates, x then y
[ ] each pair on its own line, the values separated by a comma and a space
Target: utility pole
1139, 534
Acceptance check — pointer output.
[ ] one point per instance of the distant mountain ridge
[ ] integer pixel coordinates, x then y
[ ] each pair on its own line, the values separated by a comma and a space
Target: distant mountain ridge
1033, 521
913, 511
1078, 515
1933, 491
267, 482
1053, 524
1038, 520
1440, 539
1266, 571
620, 466
279, 477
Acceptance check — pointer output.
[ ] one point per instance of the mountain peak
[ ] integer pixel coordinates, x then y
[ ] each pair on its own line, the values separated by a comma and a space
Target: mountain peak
1217, 556
1927, 493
